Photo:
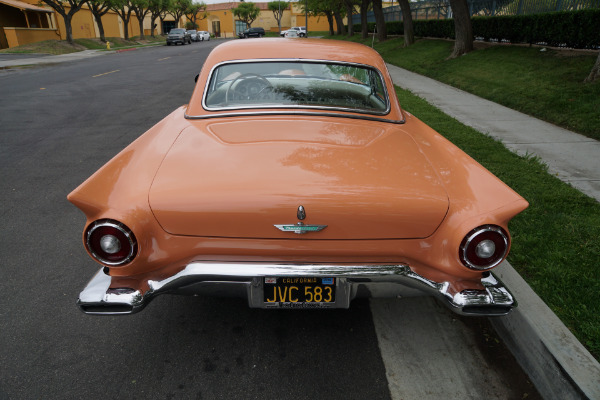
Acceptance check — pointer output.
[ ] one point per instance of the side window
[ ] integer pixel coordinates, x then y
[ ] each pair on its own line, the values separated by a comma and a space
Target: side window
376, 85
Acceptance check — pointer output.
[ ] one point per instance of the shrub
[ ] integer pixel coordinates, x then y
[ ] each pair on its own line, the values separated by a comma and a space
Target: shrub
576, 29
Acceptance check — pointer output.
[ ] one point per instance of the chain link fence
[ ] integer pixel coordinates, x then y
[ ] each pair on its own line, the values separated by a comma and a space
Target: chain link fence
478, 8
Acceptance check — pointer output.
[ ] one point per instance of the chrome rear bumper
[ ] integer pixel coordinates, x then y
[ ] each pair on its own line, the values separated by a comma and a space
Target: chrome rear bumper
246, 280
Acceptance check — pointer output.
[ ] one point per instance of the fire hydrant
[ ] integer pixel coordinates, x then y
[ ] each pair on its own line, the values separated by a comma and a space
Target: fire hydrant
107, 45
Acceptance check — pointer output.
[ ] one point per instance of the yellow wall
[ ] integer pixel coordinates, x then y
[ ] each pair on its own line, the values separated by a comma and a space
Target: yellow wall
21, 36
110, 22
226, 19
315, 24
84, 25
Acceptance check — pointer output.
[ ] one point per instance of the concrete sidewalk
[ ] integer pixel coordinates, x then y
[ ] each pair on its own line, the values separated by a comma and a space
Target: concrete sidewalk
22, 60
555, 361
573, 158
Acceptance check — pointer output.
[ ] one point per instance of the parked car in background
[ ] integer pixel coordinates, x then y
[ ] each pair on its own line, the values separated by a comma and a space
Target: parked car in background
300, 31
178, 35
252, 32
294, 179
291, 34
194, 35
203, 35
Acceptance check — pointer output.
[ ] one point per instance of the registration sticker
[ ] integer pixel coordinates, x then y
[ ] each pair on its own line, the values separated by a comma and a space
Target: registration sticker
327, 281
271, 281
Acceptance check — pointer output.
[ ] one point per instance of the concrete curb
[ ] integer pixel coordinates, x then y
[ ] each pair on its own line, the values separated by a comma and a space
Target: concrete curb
555, 361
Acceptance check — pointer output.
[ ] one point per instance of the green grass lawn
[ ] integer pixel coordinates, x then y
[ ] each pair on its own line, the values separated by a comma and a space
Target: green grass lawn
556, 241
56, 47
546, 84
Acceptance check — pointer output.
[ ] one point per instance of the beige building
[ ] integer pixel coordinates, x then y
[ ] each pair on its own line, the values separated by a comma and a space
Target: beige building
222, 23
25, 21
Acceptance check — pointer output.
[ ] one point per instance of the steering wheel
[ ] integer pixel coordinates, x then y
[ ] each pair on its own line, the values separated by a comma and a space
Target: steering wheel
247, 87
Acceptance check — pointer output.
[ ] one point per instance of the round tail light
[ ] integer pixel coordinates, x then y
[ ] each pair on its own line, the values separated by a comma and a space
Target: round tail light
484, 247
111, 242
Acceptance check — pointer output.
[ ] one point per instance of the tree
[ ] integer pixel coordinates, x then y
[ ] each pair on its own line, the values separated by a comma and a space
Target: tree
124, 10
141, 8
320, 7
380, 20
196, 12
364, 25
164, 9
155, 7
350, 4
60, 6
409, 34
246, 12
463, 42
179, 8
595, 73
278, 7
98, 9
339, 20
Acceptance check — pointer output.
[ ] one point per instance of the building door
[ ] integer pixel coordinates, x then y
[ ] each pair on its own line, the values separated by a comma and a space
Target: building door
216, 27
167, 26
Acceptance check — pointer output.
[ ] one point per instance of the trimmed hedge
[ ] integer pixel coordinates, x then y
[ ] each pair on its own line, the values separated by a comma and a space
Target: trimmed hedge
576, 29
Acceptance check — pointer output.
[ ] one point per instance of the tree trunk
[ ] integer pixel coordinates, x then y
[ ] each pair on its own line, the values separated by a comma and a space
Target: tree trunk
101, 29
364, 25
462, 27
409, 34
126, 29
380, 20
595, 73
329, 16
141, 22
349, 12
153, 24
339, 22
69, 28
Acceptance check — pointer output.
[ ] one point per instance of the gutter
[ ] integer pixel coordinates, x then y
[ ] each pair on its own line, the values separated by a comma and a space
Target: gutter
555, 361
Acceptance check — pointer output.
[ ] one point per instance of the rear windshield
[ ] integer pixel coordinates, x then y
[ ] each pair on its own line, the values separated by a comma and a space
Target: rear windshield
177, 30
299, 84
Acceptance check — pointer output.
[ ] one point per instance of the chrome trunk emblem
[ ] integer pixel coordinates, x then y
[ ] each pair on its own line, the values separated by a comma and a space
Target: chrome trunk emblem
300, 227
301, 213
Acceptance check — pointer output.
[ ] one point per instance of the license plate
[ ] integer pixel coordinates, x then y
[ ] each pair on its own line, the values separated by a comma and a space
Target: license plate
299, 291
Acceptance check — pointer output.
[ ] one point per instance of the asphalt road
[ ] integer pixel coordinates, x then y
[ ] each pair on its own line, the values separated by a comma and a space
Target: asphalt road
58, 124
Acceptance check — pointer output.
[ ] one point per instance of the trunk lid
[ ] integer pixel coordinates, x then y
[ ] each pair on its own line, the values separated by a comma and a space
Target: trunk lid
238, 178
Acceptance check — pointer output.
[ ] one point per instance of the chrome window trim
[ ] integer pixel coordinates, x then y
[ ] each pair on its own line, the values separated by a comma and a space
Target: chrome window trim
120, 227
299, 61
295, 113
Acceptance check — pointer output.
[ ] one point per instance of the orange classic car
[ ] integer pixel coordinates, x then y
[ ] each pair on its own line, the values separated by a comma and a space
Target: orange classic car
294, 180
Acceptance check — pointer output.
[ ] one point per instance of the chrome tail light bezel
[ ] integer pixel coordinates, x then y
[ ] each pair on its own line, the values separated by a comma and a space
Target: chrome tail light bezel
125, 236
485, 232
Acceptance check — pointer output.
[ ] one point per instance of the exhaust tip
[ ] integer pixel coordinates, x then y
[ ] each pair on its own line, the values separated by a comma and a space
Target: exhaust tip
106, 309
488, 311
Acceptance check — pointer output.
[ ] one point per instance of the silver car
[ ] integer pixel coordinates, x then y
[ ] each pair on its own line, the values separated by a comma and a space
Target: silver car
194, 35
203, 35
